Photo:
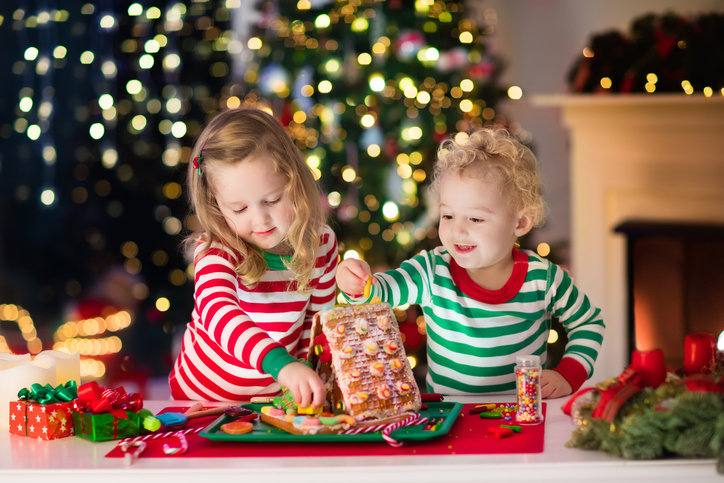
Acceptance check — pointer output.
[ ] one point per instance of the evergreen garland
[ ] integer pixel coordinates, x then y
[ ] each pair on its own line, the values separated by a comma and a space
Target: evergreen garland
656, 423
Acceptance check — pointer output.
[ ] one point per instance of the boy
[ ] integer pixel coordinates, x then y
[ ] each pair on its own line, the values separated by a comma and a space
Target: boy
485, 302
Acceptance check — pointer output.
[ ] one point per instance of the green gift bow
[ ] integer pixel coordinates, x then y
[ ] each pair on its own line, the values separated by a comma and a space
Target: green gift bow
48, 394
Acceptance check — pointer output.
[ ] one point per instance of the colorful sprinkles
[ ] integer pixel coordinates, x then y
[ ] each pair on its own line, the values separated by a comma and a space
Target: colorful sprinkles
529, 399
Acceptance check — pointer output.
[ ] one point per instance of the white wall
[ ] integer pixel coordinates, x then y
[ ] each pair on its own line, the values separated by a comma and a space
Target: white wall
539, 40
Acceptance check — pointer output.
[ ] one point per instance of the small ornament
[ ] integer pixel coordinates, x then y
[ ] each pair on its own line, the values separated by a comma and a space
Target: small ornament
408, 44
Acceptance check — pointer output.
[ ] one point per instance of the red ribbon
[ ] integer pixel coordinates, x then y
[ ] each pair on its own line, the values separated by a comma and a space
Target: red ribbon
95, 399
704, 383
612, 397
645, 372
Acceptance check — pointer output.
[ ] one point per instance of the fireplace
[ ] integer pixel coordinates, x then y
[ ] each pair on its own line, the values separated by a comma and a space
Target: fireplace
674, 284
657, 160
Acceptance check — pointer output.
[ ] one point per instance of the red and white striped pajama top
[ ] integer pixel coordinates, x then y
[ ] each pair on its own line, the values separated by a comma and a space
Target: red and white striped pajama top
233, 327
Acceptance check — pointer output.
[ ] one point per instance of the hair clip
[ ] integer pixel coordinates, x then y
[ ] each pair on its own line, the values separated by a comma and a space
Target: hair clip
196, 163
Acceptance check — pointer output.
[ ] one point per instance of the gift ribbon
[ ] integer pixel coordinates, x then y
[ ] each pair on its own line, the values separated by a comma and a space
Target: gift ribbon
48, 394
611, 397
95, 399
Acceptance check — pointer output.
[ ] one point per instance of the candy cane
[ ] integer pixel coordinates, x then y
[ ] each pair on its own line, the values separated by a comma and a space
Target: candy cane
368, 429
388, 428
167, 434
180, 450
411, 421
129, 458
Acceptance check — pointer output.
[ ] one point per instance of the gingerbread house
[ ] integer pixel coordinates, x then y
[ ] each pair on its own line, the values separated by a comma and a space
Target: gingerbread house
358, 352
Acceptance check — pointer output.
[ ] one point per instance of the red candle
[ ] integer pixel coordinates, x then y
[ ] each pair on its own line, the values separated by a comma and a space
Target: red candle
699, 353
650, 365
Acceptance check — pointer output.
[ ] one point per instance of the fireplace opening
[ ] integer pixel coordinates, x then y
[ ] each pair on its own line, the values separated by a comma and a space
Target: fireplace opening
675, 284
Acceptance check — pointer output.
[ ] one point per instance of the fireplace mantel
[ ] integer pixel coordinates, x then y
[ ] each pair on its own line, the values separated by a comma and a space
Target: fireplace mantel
657, 157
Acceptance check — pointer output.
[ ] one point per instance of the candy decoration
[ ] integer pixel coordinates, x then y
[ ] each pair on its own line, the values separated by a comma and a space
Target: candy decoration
500, 432
371, 347
130, 457
404, 388
181, 449
386, 429
360, 326
377, 369
348, 351
491, 415
383, 392
527, 373
359, 397
368, 286
396, 365
276, 411
411, 421
167, 434
390, 347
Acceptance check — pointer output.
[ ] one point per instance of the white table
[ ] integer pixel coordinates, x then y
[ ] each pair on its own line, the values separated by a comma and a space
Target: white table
78, 460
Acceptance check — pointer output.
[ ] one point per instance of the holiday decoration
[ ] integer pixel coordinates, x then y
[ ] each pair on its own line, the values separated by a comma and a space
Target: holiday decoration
650, 365
43, 412
660, 53
640, 416
102, 414
699, 353
408, 44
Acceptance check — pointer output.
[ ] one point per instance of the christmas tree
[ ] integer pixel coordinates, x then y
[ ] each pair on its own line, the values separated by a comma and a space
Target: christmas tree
368, 89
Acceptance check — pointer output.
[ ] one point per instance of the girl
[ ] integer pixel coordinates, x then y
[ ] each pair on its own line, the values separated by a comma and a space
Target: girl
485, 301
264, 263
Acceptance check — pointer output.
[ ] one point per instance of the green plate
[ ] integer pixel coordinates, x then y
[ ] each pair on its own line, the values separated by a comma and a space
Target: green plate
264, 432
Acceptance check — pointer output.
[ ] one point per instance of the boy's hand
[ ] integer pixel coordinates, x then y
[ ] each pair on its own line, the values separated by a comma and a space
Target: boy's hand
352, 275
302, 381
553, 385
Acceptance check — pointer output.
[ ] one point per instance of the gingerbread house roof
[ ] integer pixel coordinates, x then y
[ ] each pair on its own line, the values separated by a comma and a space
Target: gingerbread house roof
368, 363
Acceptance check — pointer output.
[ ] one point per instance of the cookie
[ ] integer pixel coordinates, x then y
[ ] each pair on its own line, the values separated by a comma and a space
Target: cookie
237, 427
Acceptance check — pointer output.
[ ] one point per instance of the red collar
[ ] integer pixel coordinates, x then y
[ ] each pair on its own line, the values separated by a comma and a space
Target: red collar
505, 293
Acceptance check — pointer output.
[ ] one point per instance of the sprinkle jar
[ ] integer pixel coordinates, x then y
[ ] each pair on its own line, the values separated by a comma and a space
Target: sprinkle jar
527, 382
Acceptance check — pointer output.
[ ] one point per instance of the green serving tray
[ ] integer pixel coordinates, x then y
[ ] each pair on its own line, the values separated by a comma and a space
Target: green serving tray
264, 432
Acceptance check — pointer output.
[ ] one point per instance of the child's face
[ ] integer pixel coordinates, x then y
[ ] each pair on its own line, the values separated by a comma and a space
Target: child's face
251, 198
477, 227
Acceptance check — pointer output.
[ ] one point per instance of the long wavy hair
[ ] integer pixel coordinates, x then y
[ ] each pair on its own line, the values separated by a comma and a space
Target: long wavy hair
493, 154
232, 137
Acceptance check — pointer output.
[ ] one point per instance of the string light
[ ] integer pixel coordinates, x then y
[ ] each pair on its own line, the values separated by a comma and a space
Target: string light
15, 313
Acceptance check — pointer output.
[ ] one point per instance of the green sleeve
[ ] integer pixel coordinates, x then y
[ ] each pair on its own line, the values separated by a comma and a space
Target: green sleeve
409, 284
274, 360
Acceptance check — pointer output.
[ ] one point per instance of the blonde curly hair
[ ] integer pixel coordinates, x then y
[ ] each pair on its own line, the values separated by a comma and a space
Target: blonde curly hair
230, 138
494, 155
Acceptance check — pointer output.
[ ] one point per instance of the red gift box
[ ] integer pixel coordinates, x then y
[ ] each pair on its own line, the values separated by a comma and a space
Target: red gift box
42, 421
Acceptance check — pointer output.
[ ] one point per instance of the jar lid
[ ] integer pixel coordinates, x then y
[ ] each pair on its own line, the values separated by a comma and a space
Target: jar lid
528, 360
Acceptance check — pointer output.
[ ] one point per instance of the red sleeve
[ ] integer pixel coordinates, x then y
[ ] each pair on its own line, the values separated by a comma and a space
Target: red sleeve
572, 371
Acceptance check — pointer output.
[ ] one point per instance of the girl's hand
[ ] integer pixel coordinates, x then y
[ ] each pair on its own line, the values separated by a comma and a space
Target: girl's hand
553, 385
303, 382
352, 275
